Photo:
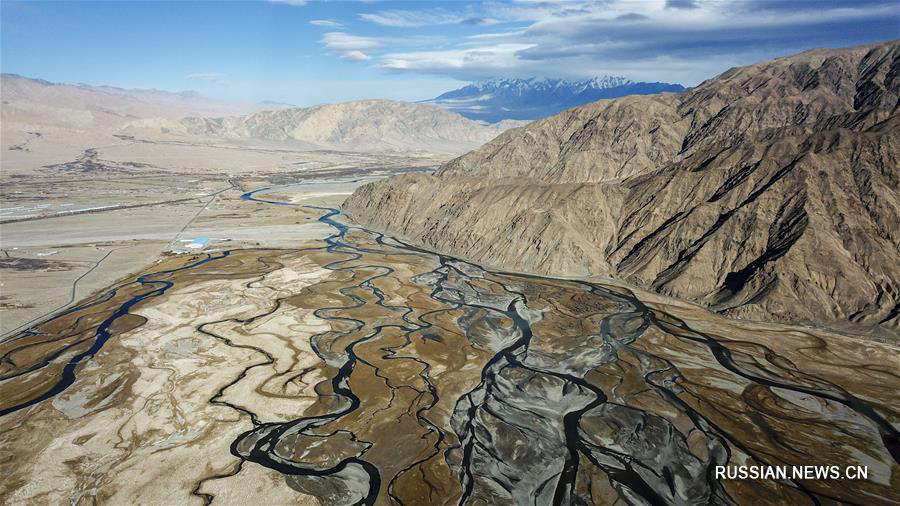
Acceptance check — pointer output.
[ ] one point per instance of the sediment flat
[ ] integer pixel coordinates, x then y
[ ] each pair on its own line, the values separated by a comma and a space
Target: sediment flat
357, 369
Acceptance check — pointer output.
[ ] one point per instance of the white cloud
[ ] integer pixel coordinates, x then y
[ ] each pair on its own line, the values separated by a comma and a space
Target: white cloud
427, 17
340, 41
355, 56
683, 41
213, 77
349, 47
500, 56
359, 48
289, 2
326, 23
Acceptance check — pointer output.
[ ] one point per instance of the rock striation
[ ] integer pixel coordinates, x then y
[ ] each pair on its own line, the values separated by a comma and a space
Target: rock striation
767, 192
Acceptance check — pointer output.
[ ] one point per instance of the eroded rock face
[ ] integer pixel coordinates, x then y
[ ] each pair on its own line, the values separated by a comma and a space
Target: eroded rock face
768, 192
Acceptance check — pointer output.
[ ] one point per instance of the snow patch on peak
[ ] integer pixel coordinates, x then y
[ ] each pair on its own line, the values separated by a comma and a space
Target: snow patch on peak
545, 83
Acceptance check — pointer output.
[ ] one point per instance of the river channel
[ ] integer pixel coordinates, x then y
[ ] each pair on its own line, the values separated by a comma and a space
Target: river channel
436, 381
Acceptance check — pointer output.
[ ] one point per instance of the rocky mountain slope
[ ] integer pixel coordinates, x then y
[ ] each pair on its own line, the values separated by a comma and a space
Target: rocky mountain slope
367, 125
534, 98
767, 192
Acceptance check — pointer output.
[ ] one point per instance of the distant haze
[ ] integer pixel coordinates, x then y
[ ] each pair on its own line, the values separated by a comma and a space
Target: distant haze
87, 116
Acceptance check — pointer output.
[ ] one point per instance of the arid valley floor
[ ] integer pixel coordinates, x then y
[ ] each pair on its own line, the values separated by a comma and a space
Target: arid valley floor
72, 227
333, 365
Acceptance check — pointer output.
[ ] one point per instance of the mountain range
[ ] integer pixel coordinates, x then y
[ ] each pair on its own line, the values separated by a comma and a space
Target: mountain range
535, 98
364, 125
79, 116
768, 192
44, 121
83, 105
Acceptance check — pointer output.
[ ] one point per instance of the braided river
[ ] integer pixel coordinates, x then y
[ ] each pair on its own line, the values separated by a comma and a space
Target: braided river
360, 369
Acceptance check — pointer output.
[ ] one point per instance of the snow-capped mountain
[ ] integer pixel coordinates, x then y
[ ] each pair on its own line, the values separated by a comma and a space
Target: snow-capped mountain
544, 84
526, 99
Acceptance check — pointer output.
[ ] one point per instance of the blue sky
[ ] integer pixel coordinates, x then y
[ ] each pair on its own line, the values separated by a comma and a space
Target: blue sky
308, 52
